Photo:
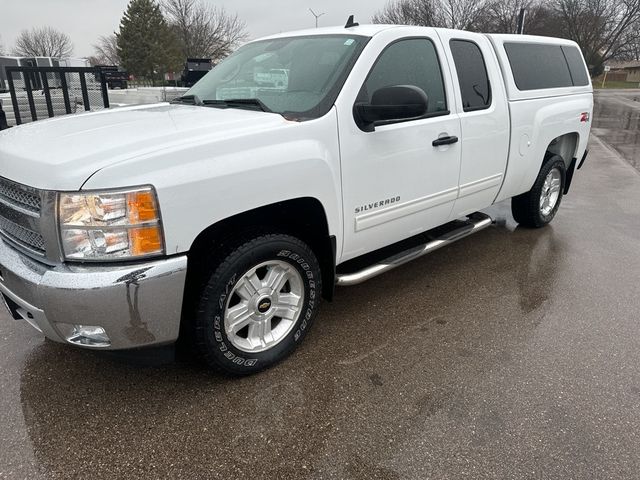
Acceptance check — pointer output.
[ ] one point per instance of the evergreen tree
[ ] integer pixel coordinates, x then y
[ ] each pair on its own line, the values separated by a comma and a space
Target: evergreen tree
146, 45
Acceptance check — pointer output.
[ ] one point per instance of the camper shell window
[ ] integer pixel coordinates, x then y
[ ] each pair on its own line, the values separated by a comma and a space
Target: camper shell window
539, 65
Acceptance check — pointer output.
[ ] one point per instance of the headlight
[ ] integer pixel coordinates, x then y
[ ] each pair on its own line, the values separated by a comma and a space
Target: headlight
114, 225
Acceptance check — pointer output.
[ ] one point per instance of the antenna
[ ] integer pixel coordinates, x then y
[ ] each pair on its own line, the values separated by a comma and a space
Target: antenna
351, 22
317, 16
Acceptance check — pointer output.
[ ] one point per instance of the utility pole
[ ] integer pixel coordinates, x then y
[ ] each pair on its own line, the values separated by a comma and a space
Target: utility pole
317, 16
521, 15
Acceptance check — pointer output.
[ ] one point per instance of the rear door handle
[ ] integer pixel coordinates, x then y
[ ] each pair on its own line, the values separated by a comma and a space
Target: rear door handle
444, 141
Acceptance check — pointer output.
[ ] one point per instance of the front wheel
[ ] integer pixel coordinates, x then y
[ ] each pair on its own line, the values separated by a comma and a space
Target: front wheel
538, 206
257, 305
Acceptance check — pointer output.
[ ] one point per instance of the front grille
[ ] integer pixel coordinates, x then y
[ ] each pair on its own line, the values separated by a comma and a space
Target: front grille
20, 208
20, 195
22, 235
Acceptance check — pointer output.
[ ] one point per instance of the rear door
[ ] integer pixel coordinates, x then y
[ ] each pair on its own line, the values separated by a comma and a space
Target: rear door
481, 101
395, 182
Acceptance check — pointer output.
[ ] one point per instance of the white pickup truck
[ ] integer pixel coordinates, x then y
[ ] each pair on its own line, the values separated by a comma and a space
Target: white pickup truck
223, 218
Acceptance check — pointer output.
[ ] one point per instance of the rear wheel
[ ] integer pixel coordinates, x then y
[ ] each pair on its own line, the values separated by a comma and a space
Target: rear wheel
539, 206
257, 305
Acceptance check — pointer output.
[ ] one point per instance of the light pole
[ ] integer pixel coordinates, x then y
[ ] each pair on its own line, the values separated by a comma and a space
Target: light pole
521, 16
317, 16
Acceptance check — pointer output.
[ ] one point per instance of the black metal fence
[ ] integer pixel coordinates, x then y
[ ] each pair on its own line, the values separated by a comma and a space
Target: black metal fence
43, 92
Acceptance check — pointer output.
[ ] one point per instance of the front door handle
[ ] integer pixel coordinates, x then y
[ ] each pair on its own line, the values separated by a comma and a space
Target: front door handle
444, 141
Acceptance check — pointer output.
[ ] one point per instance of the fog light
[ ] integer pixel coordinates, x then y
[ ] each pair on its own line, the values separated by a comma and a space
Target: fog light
89, 336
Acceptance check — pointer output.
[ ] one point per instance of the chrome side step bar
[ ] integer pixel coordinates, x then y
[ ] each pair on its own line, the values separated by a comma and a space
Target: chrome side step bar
476, 222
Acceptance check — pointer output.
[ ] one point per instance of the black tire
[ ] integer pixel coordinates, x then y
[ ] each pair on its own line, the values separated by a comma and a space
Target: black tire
209, 333
526, 207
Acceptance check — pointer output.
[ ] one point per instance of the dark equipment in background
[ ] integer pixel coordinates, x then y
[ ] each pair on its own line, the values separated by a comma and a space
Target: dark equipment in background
194, 70
114, 77
44, 92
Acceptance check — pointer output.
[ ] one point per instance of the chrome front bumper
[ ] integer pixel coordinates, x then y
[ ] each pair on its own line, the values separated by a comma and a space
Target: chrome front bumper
137, 305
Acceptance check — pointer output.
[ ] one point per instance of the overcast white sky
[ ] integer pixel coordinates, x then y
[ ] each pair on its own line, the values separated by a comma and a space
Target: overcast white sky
85, 20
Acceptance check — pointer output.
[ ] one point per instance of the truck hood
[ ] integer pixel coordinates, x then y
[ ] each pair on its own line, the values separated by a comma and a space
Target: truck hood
62, 153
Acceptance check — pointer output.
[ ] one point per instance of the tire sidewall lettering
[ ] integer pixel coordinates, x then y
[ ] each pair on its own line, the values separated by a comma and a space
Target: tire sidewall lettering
219, 336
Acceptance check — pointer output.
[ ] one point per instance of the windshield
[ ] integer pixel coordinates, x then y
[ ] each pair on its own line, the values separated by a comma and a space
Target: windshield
298, 77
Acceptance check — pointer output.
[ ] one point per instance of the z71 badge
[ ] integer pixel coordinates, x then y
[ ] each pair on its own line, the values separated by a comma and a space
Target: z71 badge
381, 203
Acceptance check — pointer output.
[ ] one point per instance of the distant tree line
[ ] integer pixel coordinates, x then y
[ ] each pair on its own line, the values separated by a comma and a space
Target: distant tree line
604, 29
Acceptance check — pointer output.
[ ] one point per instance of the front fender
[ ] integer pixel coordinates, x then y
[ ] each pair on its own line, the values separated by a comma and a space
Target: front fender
203, 184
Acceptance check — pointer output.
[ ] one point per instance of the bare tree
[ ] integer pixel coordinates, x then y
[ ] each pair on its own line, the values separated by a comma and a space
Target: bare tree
604, 29
501, 16
410, 12
204, 31
1, 47
634, 44
461, 14
106, 50
43, 42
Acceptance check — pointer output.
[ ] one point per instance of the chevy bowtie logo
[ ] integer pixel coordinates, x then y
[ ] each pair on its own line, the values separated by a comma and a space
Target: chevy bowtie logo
264, 305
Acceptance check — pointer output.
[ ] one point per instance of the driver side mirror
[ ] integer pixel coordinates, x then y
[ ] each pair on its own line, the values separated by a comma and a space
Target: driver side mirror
391, 104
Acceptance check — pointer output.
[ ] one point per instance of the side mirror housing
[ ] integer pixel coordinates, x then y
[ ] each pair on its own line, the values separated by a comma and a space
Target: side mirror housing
391, 104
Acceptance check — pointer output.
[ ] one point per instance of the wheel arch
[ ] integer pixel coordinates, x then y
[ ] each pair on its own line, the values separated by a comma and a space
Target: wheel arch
304, 217
565, 146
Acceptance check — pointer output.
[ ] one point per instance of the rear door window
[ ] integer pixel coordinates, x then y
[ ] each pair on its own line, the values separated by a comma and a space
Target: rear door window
472, 75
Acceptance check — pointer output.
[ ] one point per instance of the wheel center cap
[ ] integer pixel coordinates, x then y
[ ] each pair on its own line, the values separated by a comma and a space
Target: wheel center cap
264, 305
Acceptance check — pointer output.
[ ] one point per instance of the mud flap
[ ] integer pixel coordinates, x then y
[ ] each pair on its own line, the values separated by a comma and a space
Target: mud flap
569, 175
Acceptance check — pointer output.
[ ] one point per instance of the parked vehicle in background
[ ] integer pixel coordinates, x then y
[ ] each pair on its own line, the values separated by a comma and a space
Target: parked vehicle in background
224, 217
74, 62
7, 62
115, 77
194, 70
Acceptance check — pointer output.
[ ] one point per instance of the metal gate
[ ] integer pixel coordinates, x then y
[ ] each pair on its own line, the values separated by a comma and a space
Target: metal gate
44, 92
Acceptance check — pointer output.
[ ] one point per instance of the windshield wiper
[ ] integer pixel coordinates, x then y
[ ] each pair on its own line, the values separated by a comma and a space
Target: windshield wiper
252, 103
190, 99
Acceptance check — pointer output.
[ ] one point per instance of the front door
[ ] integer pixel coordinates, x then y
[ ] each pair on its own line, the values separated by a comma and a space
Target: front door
396, 184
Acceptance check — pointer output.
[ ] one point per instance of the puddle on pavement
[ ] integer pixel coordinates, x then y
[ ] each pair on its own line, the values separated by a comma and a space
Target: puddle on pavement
616, 121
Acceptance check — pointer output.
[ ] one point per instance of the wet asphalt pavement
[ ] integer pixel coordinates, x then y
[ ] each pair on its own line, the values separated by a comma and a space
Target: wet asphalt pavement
617, 122
514, 353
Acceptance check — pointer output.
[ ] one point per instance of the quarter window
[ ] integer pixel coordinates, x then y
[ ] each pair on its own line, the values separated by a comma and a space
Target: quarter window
408, 62
472, 75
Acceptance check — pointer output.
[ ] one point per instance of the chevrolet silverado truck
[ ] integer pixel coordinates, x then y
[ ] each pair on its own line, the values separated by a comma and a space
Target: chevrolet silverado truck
223, 218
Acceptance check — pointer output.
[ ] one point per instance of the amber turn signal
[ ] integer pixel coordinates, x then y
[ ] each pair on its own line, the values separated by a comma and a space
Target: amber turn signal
145, 240
142, 207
